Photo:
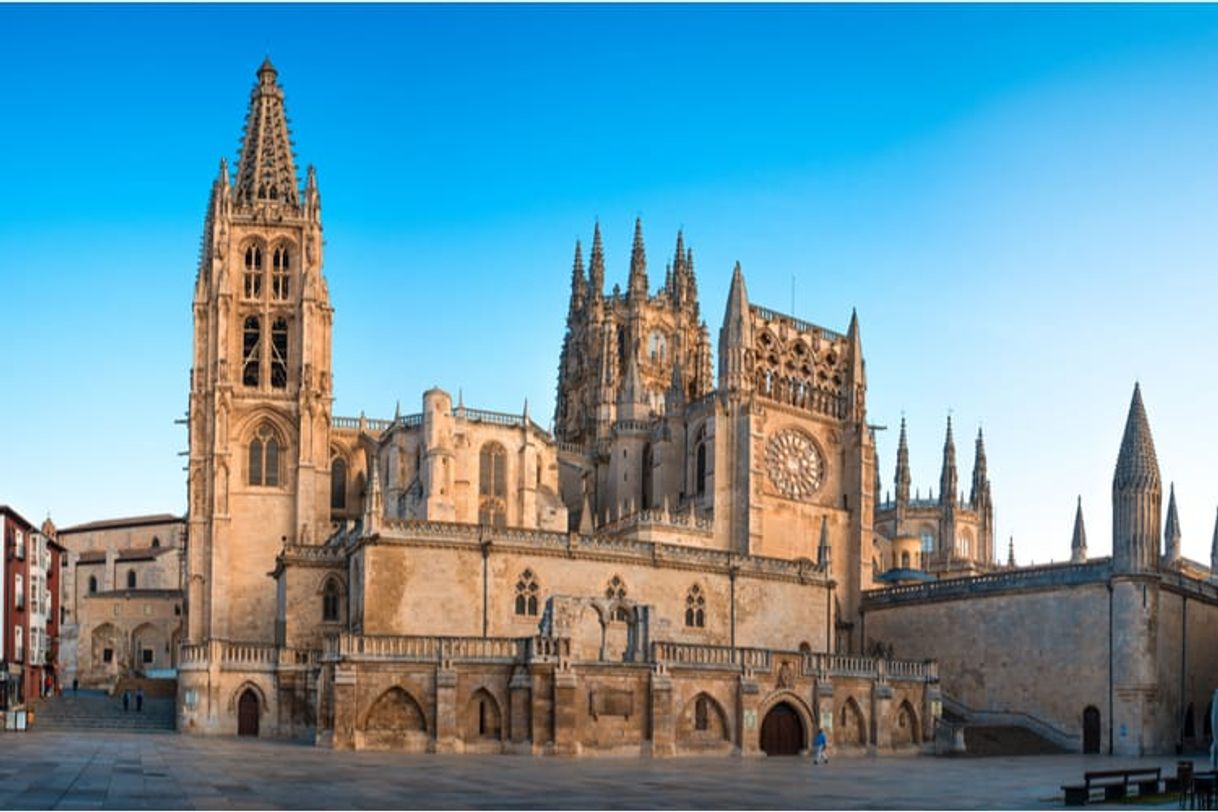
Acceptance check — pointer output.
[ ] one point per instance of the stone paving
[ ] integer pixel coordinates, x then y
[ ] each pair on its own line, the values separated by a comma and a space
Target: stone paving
93, 770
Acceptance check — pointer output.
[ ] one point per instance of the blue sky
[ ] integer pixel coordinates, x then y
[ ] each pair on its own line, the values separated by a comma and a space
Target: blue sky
1019, 201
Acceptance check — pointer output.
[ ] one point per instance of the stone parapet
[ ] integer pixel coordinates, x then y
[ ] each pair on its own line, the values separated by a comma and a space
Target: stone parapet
1027, 578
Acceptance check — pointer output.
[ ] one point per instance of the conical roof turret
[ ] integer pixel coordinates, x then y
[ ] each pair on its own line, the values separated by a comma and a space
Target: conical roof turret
266, 172
1078, 541
1137, 466
735, 336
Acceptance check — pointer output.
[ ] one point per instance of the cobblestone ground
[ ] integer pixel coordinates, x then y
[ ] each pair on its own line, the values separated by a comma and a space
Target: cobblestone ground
75, 770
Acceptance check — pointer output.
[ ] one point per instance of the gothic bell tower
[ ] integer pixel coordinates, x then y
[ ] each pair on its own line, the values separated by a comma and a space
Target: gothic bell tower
260, 387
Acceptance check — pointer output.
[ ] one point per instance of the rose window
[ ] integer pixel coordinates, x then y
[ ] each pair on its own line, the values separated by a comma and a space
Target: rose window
793, 464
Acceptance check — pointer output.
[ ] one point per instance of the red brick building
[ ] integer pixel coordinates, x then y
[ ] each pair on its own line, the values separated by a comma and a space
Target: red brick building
29, 600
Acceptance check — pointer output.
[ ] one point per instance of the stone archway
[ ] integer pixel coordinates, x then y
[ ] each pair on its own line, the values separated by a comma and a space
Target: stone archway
248, 711
851, 728
905, 732
1091, 729
782, 731
483, 718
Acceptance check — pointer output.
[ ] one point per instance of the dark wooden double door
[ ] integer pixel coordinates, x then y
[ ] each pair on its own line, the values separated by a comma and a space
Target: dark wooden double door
782, 731
247, 714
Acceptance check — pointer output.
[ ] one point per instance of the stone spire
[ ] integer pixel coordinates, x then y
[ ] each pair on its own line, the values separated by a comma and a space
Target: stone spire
596, 263
579, 287
980, 493
1078, 542
1214, 550
1171, 531
1011, 552
948, 478
632, 399
1137, 495
735, 337
266, 172
856, 397
902, 478
637, 285
823, 551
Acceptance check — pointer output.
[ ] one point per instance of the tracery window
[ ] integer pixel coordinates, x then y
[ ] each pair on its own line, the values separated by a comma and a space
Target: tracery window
264, 457
251, 353
615, 589
527, 594
253, 272
279, 353
281, 265
695, 608
329, 601
492, 485
338, 484
657, 347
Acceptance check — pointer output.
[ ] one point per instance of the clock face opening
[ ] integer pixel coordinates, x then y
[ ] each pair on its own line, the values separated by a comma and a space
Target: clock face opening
794, 464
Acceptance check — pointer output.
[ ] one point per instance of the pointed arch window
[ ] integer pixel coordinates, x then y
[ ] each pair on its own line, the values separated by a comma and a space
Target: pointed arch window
700, 462
527, 594
279, 353
492, 485
131, 579
338, 484
253, 272
647, 485
92, 584
695, 608
702, 714
281, 267
329, 601
251, 354
264, 457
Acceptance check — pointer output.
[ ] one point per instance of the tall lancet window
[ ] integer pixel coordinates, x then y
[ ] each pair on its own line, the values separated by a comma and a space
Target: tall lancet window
253, 272
492, 485
251, 353
338, 484
264, 457
281, 266
279, 354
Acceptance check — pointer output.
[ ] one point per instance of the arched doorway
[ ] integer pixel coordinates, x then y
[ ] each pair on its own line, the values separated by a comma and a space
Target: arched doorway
782, 731
247, 713
1091, 730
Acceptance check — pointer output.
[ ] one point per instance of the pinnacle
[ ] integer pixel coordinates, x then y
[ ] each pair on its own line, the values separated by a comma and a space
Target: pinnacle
1079, 540
1171, 531
1137, 464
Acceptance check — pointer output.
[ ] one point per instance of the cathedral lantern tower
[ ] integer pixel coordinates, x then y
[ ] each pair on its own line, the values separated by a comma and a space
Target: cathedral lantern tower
260, 380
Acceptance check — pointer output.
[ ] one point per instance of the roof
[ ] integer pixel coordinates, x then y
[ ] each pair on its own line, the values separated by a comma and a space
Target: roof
128, 521
10, 511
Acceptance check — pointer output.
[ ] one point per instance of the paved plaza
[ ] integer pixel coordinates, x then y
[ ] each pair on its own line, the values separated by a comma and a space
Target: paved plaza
77, 770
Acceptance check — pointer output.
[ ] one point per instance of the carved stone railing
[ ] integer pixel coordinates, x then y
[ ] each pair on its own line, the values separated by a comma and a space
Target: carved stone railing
309, 552
853, 665
424, 648
241, 656
801, 326
694, 654
371, 424
1022, 578
572, 448
680, 519
498, 419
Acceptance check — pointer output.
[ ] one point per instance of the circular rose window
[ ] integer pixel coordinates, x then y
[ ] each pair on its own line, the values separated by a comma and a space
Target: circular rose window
793, 464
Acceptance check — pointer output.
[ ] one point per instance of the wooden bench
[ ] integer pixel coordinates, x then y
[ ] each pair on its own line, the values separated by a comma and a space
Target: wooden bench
1114, 783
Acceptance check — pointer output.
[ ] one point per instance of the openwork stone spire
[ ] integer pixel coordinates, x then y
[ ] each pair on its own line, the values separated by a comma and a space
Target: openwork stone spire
903, 477
596, 263
637, 286
266, 172
948, 477
1078, 542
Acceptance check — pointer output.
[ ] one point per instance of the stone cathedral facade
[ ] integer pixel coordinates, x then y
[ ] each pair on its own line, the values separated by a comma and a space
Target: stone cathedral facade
695, 557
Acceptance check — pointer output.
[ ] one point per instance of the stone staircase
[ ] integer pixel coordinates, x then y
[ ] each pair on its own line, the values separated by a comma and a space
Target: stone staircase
1006, 740
966, 731
96, 710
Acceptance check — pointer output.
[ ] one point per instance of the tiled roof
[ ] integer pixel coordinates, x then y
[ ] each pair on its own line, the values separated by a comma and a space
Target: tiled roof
128, 521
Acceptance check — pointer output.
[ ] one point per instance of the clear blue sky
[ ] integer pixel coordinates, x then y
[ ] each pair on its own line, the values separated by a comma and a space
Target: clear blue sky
1020, 201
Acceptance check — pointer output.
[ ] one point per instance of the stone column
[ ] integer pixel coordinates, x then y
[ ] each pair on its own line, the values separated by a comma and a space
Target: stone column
663, 721
519, 698
541, 720
881, 714
448, 739
823, 705
566, 714
344, 708
748, 722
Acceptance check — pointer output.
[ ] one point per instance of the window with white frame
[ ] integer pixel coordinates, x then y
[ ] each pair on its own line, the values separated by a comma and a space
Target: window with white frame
19, 644
19, 591
19, 544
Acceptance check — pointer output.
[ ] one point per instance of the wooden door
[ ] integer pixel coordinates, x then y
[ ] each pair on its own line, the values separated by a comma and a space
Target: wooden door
1091, 730
782, 732
247, 714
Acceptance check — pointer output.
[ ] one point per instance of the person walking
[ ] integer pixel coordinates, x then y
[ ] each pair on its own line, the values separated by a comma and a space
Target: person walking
126, 700
139, 699
819, 742
75, 685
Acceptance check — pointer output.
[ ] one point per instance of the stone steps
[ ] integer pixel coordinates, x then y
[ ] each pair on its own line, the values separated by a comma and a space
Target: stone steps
1004, 740
101, 712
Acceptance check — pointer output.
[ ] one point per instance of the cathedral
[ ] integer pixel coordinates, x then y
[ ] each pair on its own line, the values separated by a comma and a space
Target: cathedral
690, 559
